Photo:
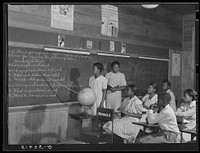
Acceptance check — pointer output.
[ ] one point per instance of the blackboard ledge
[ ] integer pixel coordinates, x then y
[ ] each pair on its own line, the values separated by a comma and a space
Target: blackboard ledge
37, 108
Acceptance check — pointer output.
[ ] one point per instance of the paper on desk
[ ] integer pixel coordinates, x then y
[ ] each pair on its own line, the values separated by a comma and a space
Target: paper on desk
144, 110
185, 121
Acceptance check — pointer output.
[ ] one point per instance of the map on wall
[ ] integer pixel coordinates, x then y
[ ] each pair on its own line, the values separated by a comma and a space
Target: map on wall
176, 64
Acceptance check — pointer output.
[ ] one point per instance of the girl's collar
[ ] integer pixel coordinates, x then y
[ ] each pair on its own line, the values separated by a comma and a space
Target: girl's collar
152, 96
115, 73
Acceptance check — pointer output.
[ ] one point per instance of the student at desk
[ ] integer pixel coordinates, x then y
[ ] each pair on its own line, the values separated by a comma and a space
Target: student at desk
187, 111
151, 98
169, 131
166, 85
132, 108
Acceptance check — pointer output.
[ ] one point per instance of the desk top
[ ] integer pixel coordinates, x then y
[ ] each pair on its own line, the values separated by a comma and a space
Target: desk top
192, 131
80, 116
145, 124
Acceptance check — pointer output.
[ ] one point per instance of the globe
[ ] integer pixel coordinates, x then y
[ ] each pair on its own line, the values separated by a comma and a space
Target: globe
86, 97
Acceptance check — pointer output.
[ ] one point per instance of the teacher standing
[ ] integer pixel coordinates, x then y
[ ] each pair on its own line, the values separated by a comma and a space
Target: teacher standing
116, 83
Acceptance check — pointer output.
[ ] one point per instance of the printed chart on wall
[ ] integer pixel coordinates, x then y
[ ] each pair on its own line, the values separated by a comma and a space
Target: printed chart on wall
176, 64
62, 16
109, 24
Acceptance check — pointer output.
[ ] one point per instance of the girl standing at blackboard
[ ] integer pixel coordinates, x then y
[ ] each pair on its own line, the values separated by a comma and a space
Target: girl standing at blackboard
116, 83
99, 84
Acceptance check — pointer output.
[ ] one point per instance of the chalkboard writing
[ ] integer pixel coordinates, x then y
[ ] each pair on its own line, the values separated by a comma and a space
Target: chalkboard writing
25, 81
26, 85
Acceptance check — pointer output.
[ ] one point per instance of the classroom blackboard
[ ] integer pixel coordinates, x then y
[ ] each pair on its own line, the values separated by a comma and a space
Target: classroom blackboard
26, 86
139, 71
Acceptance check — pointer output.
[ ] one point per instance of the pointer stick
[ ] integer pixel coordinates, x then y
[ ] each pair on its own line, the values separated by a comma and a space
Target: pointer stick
50, 87
59, 84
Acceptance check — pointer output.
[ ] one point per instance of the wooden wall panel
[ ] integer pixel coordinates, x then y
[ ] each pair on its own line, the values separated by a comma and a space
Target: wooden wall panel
188, 54
175, 80
136, 25
73, 125
48, 124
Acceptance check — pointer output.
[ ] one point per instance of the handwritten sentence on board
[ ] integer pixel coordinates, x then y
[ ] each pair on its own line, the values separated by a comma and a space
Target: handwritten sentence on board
25, 68
32, 56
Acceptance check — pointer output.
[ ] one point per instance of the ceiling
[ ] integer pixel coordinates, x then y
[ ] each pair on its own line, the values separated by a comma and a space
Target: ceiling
180, 8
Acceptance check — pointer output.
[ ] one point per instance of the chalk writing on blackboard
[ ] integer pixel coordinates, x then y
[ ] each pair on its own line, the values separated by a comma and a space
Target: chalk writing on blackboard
26, 66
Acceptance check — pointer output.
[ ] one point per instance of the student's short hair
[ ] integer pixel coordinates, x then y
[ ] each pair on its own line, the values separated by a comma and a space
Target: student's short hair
191, 93
115, 63
164, 97
167, 81
133, 88
99, 66
154, 85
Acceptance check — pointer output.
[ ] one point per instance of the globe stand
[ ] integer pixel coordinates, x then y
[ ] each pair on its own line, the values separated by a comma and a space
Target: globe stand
84, 114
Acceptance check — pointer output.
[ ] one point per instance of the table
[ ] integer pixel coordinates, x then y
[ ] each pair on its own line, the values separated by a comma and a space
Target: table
146, 125
193, 133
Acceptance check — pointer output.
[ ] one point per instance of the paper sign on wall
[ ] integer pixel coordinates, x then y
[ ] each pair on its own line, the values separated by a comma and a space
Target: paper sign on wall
176, 64
62, 16
89, 44
109, 24
61, 40
112, 46
123, 48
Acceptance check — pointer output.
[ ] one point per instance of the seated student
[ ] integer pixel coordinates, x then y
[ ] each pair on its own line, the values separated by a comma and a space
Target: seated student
132, 108
151, 97
166, 88
166, 119
187, 110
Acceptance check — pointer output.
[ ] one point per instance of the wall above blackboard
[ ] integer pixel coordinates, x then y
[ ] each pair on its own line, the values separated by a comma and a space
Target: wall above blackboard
50, 39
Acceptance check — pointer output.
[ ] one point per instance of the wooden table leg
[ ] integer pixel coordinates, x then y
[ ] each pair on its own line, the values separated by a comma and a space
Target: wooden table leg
192, 136
181, 137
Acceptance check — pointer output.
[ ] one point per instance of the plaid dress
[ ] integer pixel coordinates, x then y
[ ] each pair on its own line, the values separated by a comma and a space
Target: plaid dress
123, 127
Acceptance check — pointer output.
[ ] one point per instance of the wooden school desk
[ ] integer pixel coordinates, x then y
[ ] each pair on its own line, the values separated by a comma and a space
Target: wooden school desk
193, 133
146, 125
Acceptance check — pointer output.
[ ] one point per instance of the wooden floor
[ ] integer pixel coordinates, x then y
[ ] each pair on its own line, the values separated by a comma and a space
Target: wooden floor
72, 141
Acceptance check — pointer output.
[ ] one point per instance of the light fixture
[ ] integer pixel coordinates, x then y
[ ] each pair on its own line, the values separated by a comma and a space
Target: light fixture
156, 59
114, 55
66, 51
150, 6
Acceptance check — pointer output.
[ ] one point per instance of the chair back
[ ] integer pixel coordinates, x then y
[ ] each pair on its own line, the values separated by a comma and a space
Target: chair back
104, 115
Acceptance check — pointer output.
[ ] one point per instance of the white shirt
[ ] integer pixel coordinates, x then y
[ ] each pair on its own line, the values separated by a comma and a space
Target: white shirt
188, 111
133, 105
166, 119
97, 84
148, 102
172, 103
